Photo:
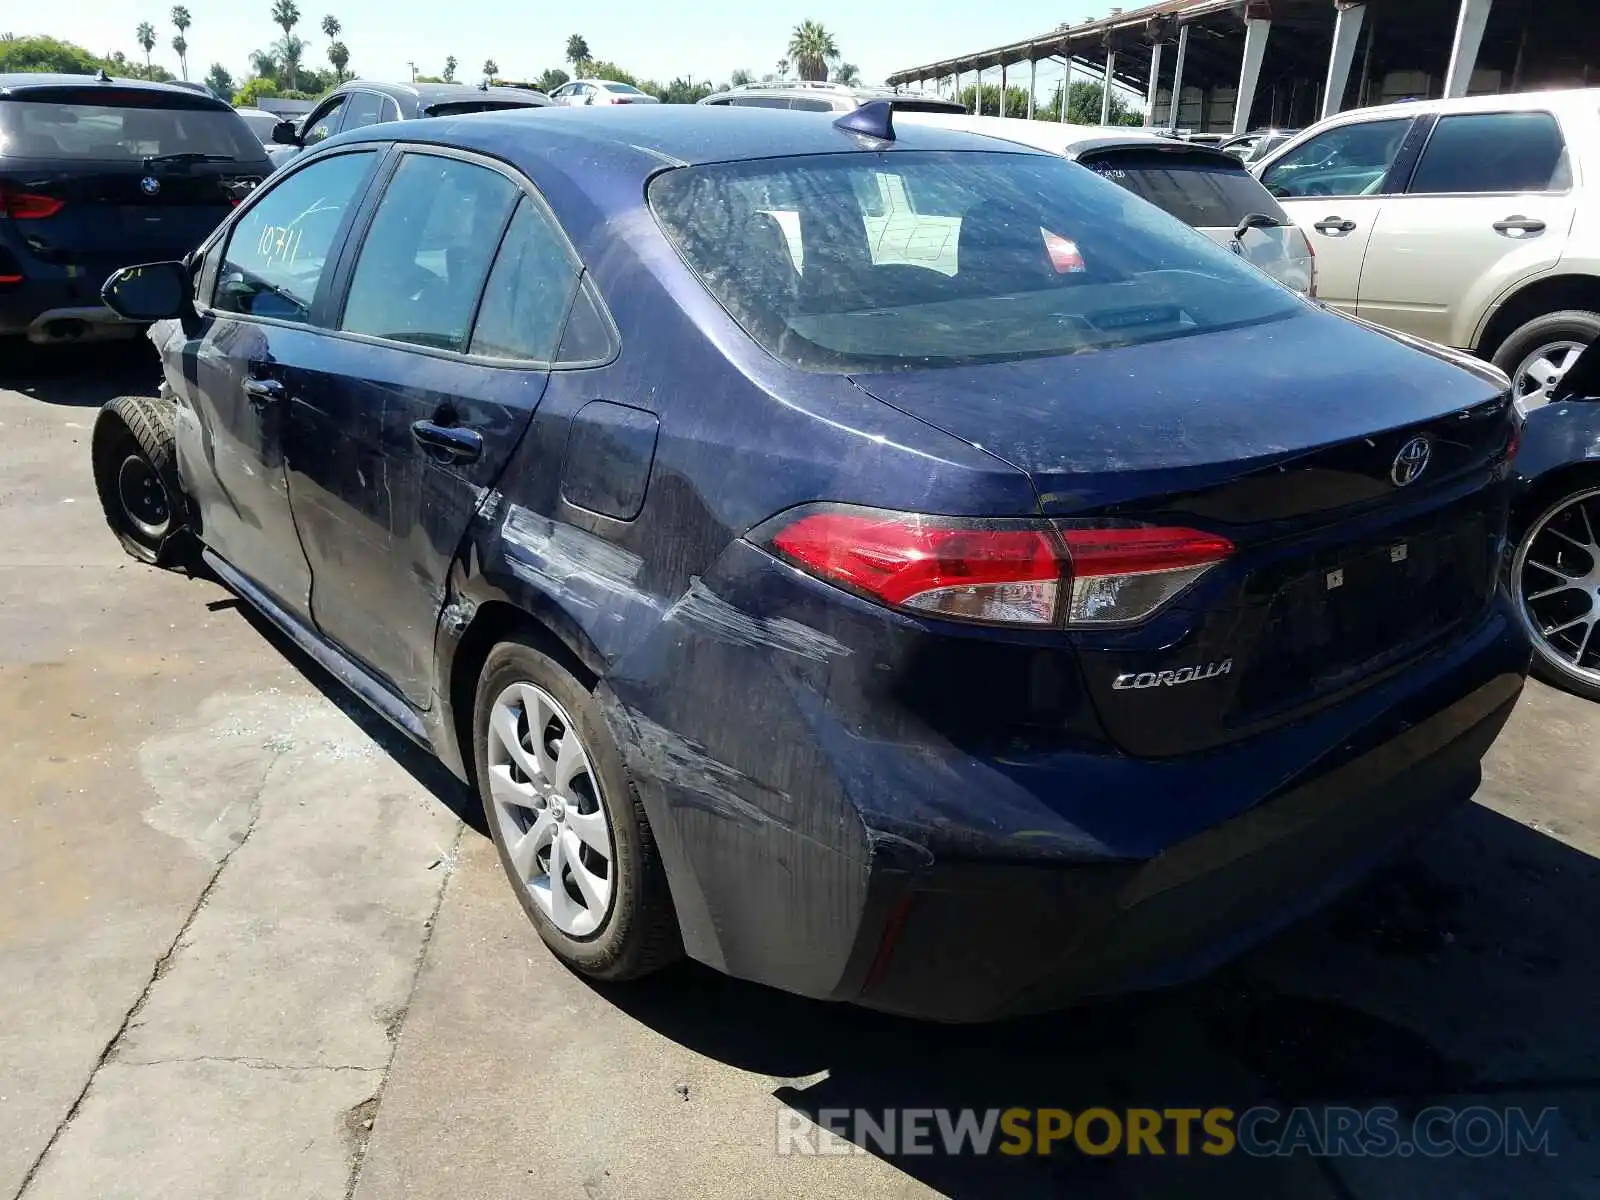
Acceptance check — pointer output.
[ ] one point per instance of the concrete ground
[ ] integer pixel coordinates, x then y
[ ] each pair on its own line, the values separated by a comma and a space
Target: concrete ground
249, 948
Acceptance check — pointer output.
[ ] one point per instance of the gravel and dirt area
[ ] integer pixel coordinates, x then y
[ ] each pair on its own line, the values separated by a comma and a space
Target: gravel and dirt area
255, 945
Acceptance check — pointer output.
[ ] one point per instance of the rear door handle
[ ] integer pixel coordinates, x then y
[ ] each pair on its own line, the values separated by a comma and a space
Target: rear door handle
448, 443
262, 392
1334, 225
1515, 225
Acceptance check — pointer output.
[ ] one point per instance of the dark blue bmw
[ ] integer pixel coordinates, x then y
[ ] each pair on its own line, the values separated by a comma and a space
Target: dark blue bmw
894, 566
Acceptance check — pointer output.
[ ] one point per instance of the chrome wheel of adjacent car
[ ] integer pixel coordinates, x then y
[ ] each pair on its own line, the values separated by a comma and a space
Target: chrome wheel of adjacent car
1556, 574
1537, 376
546, 802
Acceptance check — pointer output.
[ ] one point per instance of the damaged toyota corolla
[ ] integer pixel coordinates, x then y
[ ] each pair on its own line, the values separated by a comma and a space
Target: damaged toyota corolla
890, 565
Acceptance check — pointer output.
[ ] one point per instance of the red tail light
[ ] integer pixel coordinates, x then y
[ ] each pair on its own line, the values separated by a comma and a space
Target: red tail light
1011, 572
27, 206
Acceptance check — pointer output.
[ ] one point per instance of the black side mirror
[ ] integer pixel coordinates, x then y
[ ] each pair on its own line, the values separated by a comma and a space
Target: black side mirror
1255, 221
151, 292
285, 134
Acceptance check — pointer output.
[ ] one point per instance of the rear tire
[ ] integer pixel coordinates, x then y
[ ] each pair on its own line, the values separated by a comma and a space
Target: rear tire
529, 708
136, 475
1538, 354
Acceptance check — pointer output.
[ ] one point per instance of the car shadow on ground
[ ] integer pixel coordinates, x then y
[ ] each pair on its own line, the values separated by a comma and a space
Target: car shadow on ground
1461, 975
80, 376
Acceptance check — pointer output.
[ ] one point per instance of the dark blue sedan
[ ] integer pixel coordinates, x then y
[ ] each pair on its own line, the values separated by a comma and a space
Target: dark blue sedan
895, 567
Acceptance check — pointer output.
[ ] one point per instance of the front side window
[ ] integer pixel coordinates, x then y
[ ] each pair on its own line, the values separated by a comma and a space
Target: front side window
998, 256
422, 265
1351, 160
1494, 152
1196, 188
324, 124
279, 250
528, 293
114, 132
364, 108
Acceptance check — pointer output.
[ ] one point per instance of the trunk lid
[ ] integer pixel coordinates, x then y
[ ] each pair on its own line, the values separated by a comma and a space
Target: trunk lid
1288, 439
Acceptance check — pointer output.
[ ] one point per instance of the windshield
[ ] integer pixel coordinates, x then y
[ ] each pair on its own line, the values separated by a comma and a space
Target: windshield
1196, 188
904, 260
108, 132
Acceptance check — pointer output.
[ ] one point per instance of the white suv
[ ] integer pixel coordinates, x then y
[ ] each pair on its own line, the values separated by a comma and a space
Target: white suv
1474, 223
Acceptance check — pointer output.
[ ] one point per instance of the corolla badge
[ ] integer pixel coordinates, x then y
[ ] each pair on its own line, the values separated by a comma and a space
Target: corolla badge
1139, 680
1411, 462
150, 185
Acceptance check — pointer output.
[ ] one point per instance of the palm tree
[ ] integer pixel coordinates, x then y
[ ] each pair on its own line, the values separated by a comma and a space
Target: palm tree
147, 38
331, 27
450, 65
783, 68
264, 63
181, 21
847, 73
490, 69
811, 46
577, 52
740, 77
339, 56
286, 15
289, 50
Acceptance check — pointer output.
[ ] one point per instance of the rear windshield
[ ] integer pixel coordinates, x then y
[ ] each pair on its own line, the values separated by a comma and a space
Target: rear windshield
115, 132
1195, 188
625, 88
905, 260
471, 106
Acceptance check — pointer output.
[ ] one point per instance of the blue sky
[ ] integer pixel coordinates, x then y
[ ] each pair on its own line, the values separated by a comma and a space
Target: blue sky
655, 39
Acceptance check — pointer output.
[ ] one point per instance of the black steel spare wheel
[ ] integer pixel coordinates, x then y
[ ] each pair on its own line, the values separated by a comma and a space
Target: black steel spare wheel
136, 476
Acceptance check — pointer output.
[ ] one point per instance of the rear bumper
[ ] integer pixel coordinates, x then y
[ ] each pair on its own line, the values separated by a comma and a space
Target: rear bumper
47, 311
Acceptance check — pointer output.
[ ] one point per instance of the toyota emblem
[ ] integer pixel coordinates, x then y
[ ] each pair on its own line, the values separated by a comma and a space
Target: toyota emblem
150, 185
1411, 462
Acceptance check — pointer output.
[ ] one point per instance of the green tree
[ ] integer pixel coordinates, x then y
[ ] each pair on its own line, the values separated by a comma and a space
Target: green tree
577, 53
146, 37
1016, 100
331, 28
490, 69
47, 54
181, 22
783, 70
740, 77
1084, 106
847, 73
812, 47
254, 91
610, 70
680, 91
290, 49
220, 81
553, 78
339, 56
449, 75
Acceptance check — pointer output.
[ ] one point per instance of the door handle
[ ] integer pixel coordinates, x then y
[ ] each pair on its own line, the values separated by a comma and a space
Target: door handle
262, 392
1334, 225
448, 443
1514, 225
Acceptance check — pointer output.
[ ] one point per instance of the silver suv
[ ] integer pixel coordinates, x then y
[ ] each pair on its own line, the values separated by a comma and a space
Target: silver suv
825, 97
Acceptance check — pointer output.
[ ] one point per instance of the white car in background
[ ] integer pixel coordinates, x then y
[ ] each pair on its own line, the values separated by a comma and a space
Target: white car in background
1474, 223
600, 91
1202, 186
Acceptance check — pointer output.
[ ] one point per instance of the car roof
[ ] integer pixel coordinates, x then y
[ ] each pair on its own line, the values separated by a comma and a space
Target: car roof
657, 135
861, 93
1498, 102
20, 85
445, 93
1070, 140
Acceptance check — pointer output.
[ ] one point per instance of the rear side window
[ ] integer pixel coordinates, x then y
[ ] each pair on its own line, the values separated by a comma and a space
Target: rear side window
422, 265
978, 257
325, 125
279, 249
1197, 189
1494, 152
529, 290
116, 132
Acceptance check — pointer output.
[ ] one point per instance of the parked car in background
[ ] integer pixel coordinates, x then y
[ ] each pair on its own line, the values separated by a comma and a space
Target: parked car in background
1555, 567
599, 91
265, 125
97, 173
693, 561
361, 102
1256, 145
1474, 223
811, 96
1203, 187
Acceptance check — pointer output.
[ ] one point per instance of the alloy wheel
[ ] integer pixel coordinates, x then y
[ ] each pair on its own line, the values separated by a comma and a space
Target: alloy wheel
1556, 574
143, 498
1536, 379
546, 803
